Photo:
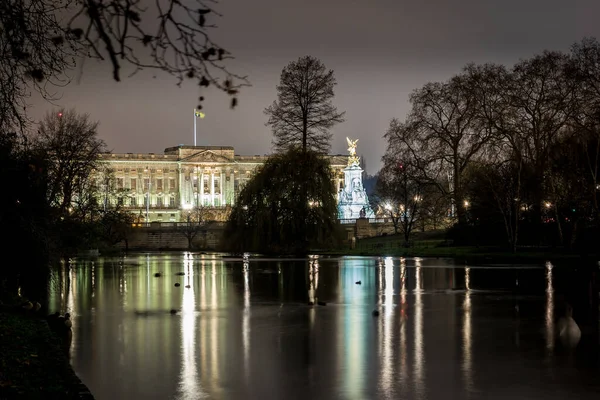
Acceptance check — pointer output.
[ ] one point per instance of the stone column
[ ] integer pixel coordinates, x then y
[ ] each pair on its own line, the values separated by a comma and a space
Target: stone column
222, 188
212, 188
179, 186
201, 187
232, 187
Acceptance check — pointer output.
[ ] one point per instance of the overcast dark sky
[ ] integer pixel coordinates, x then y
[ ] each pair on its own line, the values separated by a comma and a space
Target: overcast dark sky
380, 51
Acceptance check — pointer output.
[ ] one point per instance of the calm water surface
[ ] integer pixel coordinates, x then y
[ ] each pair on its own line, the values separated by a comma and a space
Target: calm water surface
244, 330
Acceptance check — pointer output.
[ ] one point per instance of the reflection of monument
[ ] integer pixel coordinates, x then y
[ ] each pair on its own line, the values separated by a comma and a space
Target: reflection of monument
352, 199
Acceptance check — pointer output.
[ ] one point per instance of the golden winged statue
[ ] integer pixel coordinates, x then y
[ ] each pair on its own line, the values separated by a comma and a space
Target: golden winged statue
353, 159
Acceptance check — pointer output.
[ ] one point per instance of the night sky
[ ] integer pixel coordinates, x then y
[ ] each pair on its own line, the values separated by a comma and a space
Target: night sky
380, 51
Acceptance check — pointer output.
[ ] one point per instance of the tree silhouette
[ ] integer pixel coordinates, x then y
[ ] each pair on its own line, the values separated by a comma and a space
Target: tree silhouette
41, 41
288, 206
70, 143
303, 113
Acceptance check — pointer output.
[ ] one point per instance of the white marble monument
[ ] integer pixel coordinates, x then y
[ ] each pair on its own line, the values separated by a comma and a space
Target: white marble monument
353, 202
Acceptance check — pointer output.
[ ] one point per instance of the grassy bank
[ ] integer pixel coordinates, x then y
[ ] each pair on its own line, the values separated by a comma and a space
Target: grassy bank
33, 363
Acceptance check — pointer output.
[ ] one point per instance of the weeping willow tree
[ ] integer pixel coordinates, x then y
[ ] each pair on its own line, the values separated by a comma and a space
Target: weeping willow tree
288, 207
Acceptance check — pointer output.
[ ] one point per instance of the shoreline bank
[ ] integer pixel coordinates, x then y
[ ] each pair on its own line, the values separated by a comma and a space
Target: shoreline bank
34, 363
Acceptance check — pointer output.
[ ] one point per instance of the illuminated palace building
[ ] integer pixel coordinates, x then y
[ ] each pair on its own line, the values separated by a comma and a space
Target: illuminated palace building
186, 176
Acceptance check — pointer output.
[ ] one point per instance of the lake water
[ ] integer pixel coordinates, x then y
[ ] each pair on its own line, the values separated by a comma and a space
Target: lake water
243, 329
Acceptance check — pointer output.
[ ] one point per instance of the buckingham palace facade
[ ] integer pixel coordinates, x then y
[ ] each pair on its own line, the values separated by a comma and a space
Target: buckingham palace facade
160, 186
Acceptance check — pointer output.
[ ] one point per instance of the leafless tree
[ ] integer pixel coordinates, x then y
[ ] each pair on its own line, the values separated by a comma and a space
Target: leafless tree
303, 113
441, 135
194, 221
70, 143
542, 102
585, 58
43, 41
401, 197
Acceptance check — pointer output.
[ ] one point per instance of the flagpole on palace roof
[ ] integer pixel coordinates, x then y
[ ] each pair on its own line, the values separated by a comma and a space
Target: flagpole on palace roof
197, 113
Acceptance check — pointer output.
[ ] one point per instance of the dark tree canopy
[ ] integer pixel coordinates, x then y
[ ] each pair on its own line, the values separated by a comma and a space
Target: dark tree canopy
304, 113
289, 206
43, 41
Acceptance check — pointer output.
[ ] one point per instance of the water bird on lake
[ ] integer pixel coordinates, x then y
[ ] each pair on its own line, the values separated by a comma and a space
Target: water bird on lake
173, 311
180, 273
177, 284
187, 286
568, 330
375, 313
358, 282
157, 275
68, 324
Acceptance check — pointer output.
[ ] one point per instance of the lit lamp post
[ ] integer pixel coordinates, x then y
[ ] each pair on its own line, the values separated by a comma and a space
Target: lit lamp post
197, 113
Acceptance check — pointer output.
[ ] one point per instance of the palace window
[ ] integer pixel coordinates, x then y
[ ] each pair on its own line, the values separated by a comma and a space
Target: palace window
133, 184
159, 185
119, 183
172, 202
146, 184
159, 201
217, 187
172, 183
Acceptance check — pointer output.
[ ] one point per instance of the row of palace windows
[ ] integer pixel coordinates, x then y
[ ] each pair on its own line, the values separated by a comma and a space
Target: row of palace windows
165, 201
163, 184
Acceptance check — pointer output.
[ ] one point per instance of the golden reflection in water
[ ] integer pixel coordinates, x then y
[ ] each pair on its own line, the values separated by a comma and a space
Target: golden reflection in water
203, 308
549, 308
71, 309
93, 280
190, 389
467, 364
313, 278
387, 372
214, 328
246, 320
419, 362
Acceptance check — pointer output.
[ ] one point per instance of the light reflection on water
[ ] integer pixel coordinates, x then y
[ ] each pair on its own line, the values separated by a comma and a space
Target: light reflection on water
243, 329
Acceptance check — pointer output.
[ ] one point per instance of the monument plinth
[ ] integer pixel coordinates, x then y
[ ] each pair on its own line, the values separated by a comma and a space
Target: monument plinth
353, 202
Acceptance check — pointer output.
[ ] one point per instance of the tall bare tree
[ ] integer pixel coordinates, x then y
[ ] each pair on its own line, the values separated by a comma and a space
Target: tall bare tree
542, 102
401, 194
585, 57
42, 41
441, 135
303, 113
70, 143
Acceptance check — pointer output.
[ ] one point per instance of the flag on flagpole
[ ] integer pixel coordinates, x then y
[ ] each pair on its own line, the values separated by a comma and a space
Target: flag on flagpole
198, 113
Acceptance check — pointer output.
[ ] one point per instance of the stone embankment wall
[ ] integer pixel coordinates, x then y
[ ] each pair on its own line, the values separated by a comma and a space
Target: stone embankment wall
163, 236
169, 236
